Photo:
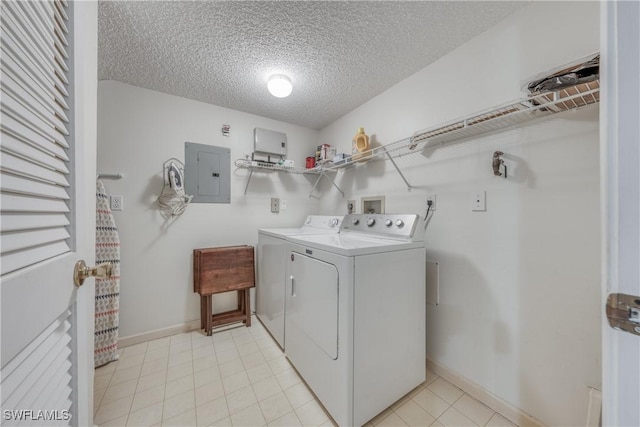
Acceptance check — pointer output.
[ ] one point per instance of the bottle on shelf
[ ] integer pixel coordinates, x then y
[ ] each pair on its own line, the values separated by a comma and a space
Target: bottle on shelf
360, 145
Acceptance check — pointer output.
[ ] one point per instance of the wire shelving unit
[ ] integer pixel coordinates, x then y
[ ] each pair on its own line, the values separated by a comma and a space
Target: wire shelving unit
503, 117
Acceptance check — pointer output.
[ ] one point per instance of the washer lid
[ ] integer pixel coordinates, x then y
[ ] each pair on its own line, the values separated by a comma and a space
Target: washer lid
351, 244
283, 232
314, 224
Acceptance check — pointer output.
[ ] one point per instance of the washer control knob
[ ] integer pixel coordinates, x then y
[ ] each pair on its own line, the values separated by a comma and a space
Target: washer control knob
400, 223
371, 221
334, 222
388, 223
356, 221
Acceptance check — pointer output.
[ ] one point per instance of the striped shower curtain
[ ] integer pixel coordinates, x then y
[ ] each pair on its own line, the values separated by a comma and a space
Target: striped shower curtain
108, 290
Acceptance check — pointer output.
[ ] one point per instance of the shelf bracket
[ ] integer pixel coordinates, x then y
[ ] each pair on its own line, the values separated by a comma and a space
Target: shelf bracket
323, 173
315, 184
333, 183
248, 181
395, 165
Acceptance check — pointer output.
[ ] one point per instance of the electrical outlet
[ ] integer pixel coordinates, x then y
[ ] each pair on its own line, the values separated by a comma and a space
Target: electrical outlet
351, 206
275, 205
432, 198
116, 203
479, 201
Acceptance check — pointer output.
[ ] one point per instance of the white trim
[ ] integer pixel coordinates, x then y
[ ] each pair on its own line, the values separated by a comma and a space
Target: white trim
620, 203
513, 414
594, 411
192, 325
608, 200
84, 103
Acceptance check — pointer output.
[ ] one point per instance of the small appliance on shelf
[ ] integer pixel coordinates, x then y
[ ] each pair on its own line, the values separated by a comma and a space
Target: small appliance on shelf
325, 153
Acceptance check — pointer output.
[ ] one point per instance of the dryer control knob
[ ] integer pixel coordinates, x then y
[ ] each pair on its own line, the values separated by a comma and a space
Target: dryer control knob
334, 222
388, 223
371, 221
400, 223
356, 221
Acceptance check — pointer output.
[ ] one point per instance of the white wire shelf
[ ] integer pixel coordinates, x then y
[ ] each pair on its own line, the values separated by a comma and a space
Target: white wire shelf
319, 171
512, 114
489, 121
500, 118
264, 166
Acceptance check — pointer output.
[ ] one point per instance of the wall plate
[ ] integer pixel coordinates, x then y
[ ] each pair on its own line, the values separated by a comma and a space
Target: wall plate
116, 202
431, 197
275, 205
479, 201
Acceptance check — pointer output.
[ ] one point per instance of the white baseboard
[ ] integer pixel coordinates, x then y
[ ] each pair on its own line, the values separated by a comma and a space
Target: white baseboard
193, 325
594, 413
513, 414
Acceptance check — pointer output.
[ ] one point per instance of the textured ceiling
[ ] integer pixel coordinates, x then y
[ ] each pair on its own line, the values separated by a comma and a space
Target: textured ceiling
337, 54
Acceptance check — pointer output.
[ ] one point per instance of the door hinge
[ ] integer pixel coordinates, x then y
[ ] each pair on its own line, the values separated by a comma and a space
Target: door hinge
623, 312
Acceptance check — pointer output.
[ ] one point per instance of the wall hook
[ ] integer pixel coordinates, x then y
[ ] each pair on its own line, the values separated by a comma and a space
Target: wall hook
497, 162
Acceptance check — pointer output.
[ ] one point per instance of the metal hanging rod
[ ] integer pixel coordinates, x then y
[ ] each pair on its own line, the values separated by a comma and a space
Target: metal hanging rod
119, 175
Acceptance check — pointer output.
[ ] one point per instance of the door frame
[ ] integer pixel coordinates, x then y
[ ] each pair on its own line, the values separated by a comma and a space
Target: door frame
620, 203
85, 72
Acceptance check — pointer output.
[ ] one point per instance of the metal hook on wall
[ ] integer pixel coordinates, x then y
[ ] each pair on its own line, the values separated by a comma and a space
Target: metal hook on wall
497, 162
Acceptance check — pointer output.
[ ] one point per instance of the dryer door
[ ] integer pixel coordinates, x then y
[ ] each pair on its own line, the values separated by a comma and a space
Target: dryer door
312, 304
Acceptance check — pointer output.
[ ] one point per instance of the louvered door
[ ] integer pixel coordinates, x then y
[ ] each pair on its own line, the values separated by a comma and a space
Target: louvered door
48, 103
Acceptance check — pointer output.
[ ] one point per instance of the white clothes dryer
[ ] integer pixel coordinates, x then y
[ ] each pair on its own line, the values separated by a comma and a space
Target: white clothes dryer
271, 254
355, 313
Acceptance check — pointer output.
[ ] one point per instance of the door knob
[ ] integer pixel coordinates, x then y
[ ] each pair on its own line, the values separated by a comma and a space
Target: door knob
81, 272
623, 312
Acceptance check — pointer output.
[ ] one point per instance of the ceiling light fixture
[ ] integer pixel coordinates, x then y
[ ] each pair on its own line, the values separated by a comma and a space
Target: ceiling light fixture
279, 86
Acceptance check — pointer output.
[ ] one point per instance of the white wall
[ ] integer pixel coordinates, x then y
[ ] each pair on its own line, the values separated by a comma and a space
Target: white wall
138, 130
519, 283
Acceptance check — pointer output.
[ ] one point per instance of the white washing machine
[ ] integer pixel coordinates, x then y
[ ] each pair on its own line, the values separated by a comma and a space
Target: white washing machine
355, 322
271, 275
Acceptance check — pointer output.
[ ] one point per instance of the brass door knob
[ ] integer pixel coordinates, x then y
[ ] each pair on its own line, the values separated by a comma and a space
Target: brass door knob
81, 272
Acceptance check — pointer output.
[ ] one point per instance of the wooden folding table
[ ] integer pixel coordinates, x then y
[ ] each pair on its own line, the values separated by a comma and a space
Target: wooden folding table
223, 269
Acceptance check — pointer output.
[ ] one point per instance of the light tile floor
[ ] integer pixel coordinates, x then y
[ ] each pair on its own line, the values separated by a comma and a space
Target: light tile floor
239, 377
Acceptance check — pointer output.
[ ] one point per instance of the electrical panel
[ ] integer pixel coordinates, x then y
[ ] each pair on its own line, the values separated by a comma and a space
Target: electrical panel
267, 141
207, 173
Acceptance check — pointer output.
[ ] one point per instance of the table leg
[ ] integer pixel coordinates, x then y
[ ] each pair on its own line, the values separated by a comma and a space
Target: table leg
203, 312
209, 315
247, 305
